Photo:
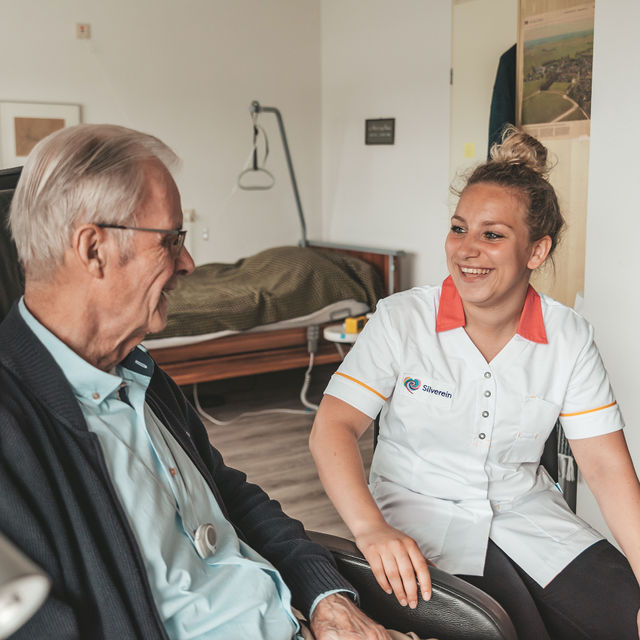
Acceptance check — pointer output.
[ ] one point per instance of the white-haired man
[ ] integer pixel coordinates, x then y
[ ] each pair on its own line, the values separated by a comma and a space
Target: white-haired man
108, 479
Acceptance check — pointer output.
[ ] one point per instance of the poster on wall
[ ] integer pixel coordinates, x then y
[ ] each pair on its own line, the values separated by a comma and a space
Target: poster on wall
24, 124
555, 67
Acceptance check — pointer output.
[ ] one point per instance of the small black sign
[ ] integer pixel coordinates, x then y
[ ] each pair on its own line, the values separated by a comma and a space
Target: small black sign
380, 131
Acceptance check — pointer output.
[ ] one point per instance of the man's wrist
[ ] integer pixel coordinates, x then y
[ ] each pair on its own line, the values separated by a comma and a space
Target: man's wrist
349, 594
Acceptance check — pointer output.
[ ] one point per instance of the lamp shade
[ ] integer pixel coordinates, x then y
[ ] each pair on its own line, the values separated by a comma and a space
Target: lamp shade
23, 588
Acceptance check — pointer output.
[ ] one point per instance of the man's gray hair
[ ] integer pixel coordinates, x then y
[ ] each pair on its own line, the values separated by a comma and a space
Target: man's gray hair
90, 173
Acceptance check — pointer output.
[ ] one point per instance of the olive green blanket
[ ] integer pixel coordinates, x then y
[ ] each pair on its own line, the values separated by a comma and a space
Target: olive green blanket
273, 285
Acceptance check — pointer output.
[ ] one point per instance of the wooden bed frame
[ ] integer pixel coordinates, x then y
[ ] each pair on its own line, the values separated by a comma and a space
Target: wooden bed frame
245, 353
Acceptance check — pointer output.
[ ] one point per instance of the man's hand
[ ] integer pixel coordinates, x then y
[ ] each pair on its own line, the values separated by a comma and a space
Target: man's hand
337, 618
397, 563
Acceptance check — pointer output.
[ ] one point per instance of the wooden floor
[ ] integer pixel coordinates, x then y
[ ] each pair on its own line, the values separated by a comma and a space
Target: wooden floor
272, 449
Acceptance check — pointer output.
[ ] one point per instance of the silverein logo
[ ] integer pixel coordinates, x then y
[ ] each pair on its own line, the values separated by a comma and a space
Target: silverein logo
411, 384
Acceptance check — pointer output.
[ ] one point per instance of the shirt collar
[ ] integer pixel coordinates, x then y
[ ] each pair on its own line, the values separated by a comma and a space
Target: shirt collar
451, 313
88, 382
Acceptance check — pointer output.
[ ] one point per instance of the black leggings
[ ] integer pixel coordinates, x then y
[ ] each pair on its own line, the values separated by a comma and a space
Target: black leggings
595, 597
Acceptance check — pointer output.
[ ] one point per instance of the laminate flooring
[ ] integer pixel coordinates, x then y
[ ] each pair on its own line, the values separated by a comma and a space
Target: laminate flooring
272, 449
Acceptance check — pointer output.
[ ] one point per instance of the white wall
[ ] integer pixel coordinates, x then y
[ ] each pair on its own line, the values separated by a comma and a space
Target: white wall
612, 302
384, 59
482, 31
187, 72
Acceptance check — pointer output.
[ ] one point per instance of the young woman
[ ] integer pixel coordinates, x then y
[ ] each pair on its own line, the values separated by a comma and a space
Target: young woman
470, 378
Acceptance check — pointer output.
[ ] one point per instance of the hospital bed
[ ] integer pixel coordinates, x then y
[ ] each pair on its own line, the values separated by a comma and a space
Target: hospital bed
317, 285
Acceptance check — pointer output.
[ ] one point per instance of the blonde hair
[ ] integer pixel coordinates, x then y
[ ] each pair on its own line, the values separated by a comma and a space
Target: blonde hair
91, 173
520, 162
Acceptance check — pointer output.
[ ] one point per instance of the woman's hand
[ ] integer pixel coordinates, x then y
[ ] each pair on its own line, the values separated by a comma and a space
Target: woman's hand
397, 563
394, 557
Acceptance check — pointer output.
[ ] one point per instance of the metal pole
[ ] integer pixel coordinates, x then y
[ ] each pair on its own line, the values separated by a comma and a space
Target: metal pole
256, 107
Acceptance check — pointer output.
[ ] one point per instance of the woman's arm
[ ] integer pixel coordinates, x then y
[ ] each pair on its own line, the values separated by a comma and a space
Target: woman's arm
394, 557
608, 469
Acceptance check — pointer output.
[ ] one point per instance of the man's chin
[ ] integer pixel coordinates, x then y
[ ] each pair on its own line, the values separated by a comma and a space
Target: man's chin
159, 323
159, 319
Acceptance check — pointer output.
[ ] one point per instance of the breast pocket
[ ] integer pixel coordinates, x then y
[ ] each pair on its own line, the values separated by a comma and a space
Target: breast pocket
537, 418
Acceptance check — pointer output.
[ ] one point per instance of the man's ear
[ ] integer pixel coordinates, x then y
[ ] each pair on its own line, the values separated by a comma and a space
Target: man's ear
90, 249
539, 252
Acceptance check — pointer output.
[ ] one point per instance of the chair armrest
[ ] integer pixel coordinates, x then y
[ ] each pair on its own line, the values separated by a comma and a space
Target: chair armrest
457, 610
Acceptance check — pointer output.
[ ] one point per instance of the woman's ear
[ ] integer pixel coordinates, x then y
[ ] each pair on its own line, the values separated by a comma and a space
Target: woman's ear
539, 252
89, 248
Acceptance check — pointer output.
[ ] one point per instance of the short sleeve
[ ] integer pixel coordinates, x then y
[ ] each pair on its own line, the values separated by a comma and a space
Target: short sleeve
590, 408
368, 374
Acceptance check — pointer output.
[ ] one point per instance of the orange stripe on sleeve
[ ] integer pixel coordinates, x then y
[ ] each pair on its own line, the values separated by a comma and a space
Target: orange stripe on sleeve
362, 384
581, 413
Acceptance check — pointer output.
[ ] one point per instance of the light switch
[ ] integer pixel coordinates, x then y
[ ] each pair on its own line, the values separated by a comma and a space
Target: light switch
83, 30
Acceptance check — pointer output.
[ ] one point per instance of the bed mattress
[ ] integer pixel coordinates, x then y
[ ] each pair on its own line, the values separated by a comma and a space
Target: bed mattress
294, 285
333, 312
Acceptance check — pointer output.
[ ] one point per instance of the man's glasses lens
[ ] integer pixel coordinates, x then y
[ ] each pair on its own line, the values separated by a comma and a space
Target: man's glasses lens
175, 241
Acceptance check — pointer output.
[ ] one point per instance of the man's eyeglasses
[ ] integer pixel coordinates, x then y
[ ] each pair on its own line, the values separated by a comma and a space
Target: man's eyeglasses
175, 244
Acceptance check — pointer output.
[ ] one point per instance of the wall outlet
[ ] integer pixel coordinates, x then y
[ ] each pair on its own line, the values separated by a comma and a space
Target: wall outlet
205, 233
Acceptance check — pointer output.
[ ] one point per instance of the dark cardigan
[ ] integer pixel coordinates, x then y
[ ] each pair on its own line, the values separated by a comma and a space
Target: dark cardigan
57, 503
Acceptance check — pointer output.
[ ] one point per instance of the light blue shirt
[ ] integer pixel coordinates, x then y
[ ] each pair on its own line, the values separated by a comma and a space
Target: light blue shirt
234, 593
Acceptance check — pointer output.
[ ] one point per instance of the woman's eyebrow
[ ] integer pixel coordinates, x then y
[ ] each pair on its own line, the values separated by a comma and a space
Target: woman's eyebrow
491, 223
484, 223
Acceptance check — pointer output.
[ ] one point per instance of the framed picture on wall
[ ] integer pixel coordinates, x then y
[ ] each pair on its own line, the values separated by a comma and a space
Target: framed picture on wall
24, 124
554, 67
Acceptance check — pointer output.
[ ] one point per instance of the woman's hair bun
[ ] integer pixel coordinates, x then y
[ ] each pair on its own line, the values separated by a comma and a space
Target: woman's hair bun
518, 147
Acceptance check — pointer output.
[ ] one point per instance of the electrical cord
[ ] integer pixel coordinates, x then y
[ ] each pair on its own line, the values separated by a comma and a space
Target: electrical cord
305, 386
340, 350
202, 413
313, 335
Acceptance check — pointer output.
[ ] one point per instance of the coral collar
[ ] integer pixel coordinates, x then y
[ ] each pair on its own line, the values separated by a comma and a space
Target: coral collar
451, 313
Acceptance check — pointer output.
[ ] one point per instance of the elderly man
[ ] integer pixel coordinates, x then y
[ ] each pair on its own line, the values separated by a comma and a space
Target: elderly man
107, 477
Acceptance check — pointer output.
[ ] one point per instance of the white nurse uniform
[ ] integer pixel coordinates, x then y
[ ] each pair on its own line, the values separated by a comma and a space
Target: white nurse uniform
457, 460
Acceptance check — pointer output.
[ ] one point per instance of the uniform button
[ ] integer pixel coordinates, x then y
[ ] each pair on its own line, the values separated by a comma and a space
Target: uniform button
487, 394
482, 436
173, 471
95, 395
487, 374
485, 414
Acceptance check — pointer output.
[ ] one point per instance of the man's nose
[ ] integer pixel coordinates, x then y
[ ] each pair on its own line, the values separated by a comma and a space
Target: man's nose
184, 264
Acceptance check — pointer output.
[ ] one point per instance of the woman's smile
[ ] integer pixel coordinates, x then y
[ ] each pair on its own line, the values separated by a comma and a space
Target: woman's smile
474, 271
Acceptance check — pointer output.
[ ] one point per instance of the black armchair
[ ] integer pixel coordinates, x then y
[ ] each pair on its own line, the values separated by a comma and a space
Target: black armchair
11, 278
456, 611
